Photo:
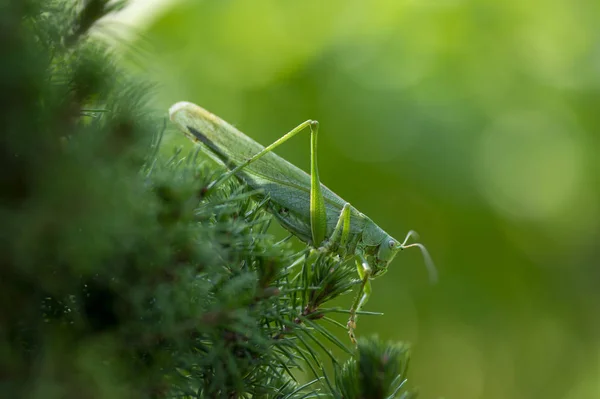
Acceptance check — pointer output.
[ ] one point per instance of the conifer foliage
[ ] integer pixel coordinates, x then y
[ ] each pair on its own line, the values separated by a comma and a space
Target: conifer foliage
118, 278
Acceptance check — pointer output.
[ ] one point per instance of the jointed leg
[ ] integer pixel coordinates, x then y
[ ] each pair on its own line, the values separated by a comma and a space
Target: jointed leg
364, 271
340, 234
318, 216
267, 149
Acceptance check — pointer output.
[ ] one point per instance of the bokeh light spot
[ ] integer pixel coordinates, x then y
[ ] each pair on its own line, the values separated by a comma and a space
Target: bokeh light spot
530, 165
466, 379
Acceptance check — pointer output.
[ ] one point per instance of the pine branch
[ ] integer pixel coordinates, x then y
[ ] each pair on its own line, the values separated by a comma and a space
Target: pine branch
119, 277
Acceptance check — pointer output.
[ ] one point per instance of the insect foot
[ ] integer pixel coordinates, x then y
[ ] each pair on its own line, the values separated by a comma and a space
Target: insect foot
324, 249
351, 327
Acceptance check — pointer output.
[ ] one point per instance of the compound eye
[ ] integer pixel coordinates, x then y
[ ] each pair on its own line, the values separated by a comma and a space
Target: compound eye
392, 244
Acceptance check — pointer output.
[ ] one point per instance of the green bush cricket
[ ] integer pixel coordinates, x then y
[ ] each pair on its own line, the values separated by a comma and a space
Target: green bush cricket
299, 201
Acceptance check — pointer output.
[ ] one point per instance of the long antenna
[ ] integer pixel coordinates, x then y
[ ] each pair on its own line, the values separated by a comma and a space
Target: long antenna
431, 269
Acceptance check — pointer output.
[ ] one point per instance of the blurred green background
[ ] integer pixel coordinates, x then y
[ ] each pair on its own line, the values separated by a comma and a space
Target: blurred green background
473, 122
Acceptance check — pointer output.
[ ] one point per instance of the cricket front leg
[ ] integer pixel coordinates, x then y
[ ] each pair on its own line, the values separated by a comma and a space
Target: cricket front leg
364, 272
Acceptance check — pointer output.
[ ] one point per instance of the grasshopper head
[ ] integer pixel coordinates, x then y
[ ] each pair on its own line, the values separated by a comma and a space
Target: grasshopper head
389, 247
386, 251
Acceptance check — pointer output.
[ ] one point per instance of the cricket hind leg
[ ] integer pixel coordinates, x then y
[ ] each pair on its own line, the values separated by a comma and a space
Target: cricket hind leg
364, 272
257, 156
318, 215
